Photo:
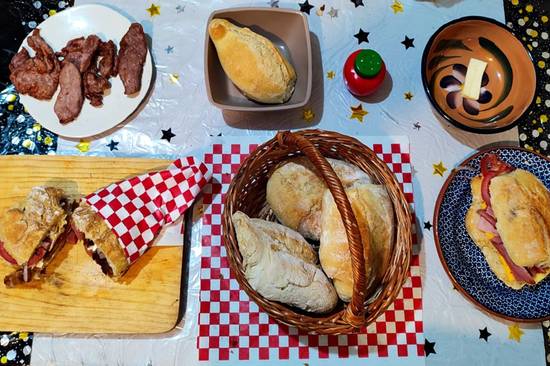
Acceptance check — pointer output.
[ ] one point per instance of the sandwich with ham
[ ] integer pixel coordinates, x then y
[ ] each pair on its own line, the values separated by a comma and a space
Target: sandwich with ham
509, 220
100, 242
33, 233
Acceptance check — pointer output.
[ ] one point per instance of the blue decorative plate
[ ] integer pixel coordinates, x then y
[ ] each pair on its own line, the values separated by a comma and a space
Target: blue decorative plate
463, 260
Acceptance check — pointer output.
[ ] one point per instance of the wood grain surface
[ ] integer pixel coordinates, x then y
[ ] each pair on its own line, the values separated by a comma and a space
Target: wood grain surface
76, 297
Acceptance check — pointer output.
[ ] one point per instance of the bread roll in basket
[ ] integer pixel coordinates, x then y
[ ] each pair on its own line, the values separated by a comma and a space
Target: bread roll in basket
247, 193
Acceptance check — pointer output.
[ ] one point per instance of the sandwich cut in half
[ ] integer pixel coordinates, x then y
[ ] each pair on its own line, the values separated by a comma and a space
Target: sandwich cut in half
509, 220
99, 240
32, 234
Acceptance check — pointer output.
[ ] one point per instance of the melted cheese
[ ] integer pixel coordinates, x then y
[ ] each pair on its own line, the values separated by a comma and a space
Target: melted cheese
509, 275
489, 235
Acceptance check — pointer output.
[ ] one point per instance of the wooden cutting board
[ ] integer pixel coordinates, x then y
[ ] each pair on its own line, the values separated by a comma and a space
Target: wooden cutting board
77, 297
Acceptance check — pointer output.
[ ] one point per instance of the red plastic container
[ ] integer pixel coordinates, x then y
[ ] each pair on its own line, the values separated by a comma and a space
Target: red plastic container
364, 72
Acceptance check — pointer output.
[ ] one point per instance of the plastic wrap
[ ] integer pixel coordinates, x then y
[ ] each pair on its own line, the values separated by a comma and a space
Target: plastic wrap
178, 106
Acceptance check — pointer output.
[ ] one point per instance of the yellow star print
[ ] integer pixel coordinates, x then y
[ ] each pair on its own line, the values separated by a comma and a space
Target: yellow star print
331, 74
308, 115
397, 6
174, 78
409, 95
153, 10
83, 146
358, 113
439, 169
514, 333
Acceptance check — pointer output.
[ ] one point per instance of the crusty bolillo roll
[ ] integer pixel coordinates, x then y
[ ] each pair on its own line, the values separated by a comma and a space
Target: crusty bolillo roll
294, 193
100, 242
281, 265
32, 235
374, 213
252, 63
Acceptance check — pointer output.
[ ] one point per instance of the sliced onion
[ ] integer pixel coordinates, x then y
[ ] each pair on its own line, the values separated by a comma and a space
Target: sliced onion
46, 243
25, 273
37, 256
7, 256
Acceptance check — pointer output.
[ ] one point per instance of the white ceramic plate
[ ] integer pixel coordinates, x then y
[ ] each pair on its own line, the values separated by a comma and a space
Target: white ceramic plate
76, 22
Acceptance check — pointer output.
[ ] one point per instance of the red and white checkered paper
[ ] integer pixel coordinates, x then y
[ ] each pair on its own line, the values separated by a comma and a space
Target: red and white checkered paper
137, 208
232, 327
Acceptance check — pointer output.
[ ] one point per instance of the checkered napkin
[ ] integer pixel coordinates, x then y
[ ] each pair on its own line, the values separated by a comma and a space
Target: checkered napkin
137, 208
234, 328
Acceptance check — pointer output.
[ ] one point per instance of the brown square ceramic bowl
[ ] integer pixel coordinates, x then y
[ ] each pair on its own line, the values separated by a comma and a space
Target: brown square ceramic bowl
288, 30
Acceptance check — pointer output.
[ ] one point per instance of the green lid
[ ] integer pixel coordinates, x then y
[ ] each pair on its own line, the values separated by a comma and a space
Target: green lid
368, 63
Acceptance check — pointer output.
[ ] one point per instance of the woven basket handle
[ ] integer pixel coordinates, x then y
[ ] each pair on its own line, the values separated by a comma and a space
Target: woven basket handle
355, 311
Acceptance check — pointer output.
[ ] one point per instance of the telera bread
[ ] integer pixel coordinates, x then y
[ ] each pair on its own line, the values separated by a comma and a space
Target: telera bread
281, 265
252, 63
294, 192
374, 213
514, 232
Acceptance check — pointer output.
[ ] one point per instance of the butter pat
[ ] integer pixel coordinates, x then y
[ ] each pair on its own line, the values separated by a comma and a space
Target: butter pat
474, 75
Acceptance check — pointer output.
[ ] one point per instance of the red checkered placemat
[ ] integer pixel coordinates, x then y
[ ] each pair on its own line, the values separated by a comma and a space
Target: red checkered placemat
231, 327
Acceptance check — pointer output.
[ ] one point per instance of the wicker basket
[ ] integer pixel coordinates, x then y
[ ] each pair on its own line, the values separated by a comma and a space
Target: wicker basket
247, 194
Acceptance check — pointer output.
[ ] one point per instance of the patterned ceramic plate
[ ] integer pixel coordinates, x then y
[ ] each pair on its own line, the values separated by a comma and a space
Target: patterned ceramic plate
463, 260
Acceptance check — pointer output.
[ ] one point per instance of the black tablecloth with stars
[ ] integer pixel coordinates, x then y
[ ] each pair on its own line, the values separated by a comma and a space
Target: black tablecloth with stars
20, 134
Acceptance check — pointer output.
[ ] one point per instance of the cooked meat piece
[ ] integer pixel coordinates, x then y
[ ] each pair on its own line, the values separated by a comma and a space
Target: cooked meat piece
107, 52
43, 50
80, 51
28, 80
70, 99
131, 58
94, 86
19, 59
37, 76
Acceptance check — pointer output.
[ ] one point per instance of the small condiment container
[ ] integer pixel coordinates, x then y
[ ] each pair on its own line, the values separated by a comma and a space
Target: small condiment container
364, 72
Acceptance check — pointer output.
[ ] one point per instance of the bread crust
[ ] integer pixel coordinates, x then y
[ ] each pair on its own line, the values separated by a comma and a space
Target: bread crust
252, 63
294, 192
94, 228
281, 265
374, 213
41, 216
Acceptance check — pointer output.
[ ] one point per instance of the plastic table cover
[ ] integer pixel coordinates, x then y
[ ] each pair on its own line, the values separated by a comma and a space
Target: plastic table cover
178, 120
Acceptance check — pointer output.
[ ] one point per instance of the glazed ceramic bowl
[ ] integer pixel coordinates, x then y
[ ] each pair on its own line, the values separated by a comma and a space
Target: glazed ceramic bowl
508, 84
289, 32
